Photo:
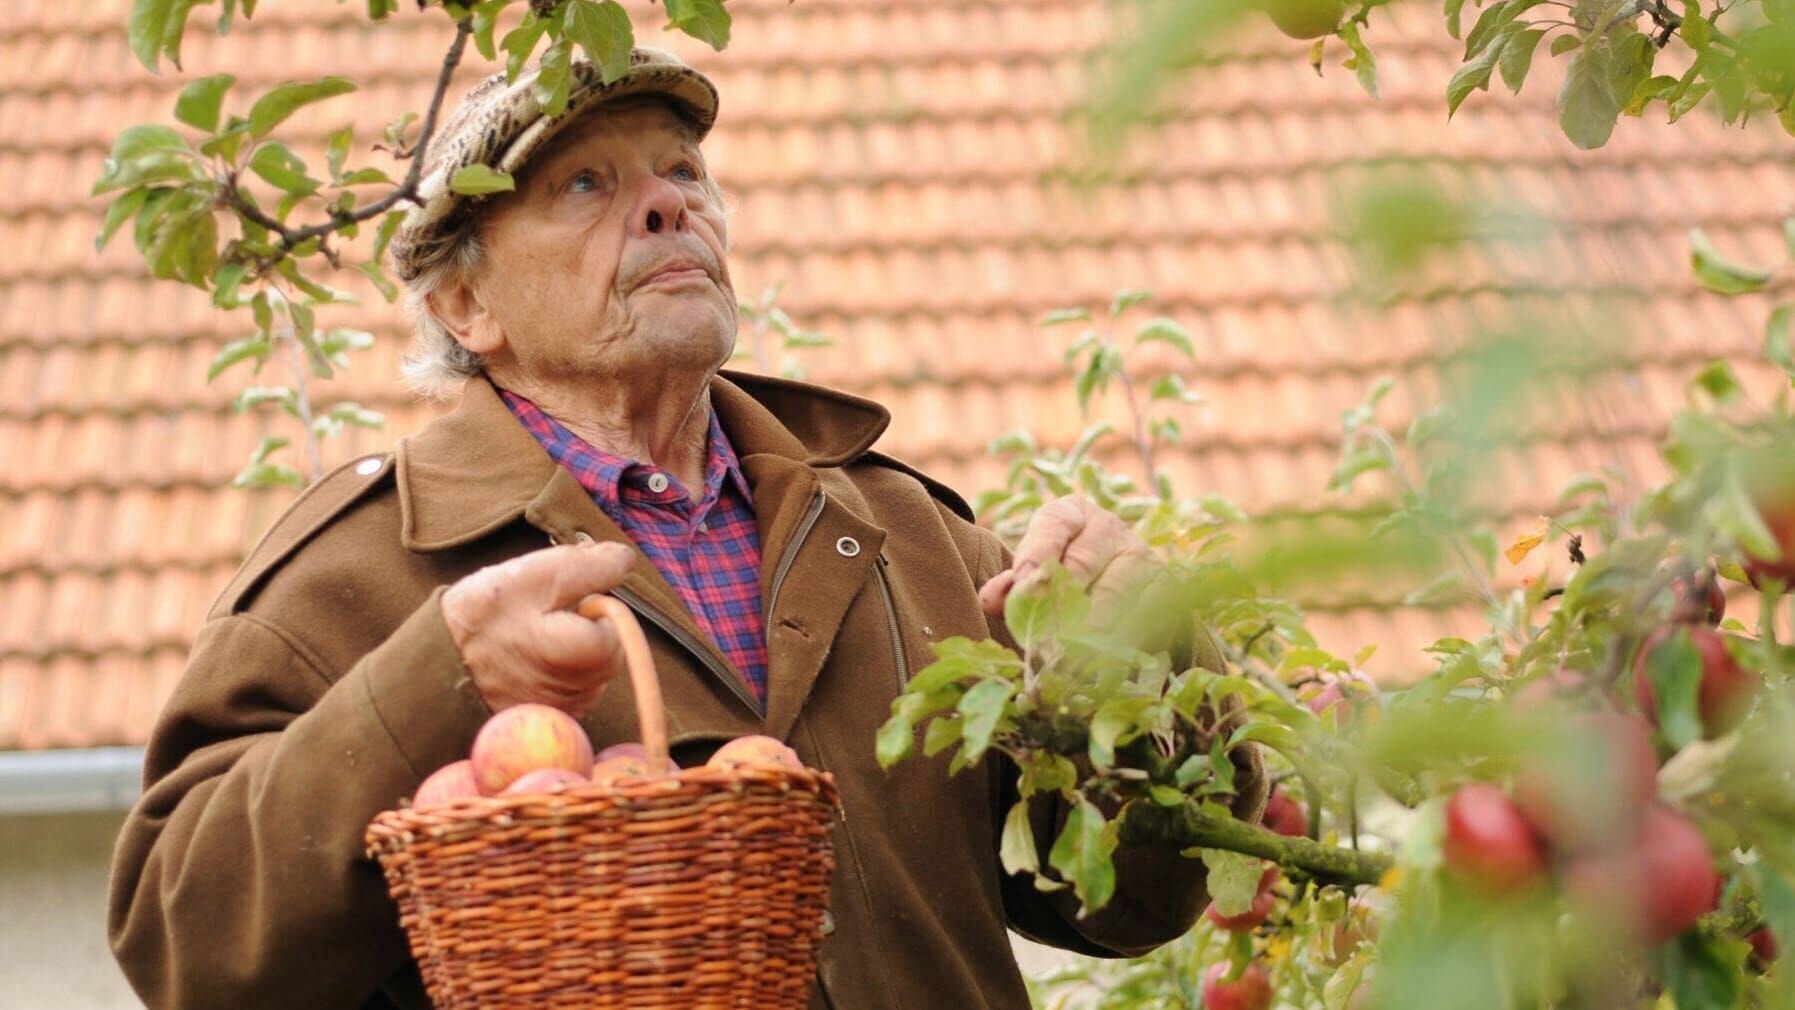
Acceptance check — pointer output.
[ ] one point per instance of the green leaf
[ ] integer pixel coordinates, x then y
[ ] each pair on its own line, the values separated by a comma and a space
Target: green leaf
1233, 879
1166, 331
148, 26
1116, 722
282, 169
255, 396
201, 101
942, 734
1517, 57
1363, 460
1588, 108
704, 20
478, 180
1473, 76
1454, 8
1674, 668
146, 153
1018, 848
982, 708
1082, 855
603, 31
1127, 299
1696, 30
1719, 273
1362, 63
117, 214
257, 347
897, 737
1488, 25
267, 475
1061, 316
267, 446
1171, 387
520, 42
1718, 381
1565, 43
1779, 339
1699, 974
225, 284
273, 108
556, 77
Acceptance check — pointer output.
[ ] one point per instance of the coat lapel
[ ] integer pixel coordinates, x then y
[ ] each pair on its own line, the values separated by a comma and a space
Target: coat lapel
477, 470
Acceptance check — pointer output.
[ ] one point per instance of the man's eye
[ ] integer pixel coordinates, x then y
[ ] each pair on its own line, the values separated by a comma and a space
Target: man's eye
584, 182
686, 173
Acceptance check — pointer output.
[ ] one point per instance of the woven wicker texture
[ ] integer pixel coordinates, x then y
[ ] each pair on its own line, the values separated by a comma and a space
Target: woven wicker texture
702, 890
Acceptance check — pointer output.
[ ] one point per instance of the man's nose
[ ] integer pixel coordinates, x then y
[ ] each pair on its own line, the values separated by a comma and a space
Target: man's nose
662, 208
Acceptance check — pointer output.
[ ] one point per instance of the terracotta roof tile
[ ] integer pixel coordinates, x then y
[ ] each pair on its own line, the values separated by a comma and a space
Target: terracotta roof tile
895, 164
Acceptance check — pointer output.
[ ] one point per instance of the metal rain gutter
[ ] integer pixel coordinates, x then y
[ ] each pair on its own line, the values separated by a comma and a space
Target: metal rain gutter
69, 781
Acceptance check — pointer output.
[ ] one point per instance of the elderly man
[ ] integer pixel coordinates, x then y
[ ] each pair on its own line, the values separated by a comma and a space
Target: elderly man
791, 580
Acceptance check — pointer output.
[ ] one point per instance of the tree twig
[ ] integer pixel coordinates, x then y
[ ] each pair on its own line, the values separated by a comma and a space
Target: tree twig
1190, 826
407, 190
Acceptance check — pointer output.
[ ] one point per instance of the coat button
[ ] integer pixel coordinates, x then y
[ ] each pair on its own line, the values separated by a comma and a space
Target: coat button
828, 925
847, 547
368, 466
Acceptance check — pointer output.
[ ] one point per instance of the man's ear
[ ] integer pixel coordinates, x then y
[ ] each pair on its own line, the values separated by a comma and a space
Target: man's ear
458, 307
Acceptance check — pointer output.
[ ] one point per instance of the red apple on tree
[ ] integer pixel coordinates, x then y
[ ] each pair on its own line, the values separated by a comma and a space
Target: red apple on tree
1770, 483
1255, 914
1655, 887
1284, 815
1251, 991
526, 737
1594, 794
1489, 844
1725, 690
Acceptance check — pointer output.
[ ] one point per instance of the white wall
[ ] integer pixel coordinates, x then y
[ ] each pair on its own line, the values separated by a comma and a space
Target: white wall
53, 953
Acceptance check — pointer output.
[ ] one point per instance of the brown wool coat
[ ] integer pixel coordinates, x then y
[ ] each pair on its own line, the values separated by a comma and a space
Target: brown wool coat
323, 686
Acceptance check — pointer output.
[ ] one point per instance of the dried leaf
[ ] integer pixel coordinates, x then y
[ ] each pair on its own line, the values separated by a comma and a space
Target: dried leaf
1526, 542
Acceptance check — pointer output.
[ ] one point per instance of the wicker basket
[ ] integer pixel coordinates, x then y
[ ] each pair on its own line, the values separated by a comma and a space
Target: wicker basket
698, 891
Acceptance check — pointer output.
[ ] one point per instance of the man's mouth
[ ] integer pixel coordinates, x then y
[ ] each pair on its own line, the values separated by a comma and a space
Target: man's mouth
678, 271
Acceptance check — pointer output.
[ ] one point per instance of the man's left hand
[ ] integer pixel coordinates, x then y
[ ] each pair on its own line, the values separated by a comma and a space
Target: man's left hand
1096, 546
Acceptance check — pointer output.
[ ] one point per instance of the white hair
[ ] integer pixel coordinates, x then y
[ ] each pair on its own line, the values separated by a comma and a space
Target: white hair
437, 364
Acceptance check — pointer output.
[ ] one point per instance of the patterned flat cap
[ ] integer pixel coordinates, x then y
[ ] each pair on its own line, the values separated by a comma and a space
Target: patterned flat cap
500, 124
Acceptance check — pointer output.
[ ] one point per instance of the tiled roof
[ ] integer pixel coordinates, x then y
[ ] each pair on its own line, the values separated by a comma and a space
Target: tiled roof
887, 160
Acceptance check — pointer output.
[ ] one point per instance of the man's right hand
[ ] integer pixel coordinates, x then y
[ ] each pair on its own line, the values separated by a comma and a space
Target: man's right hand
514, 626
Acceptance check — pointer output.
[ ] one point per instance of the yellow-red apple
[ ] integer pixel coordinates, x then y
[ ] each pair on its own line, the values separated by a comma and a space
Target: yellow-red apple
450, 782
526, 737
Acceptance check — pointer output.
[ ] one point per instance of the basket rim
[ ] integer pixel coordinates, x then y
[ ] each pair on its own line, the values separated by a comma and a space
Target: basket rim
393, 830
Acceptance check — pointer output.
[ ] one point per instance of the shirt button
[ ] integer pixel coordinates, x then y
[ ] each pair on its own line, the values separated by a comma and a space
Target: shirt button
657, 482
704, 527
582, 537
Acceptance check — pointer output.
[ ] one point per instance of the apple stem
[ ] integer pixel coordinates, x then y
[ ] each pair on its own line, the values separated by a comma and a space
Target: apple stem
650, 711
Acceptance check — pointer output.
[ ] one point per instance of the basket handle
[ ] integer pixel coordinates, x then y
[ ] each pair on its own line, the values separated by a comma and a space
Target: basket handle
651, 713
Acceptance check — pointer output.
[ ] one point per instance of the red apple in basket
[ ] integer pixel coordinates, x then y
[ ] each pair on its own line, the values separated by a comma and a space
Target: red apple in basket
526, 737
545, 780
450, 782
755, 752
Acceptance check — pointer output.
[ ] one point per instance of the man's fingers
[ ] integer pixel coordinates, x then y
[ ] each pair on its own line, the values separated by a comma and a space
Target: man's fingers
556, 578
1053, 527
1126, 572
994, 592
567, 641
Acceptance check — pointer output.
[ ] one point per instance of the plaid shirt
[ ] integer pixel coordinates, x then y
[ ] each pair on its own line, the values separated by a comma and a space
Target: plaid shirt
708, 550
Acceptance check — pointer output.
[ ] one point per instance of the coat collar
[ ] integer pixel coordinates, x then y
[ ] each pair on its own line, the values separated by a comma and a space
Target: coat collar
476, 469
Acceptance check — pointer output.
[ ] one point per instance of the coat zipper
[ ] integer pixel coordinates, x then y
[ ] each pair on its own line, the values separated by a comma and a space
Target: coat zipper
690, 642
897, 638
791, 554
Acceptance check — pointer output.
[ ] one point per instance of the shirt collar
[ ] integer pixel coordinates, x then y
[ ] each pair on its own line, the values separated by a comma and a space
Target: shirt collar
604, 474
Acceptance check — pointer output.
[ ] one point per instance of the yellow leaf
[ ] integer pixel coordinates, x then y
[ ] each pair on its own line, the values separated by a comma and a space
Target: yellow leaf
1526, 542
1391, 878
1277, 948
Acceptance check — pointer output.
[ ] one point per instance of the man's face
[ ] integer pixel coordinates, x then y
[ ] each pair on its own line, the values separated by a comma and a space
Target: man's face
608, 260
